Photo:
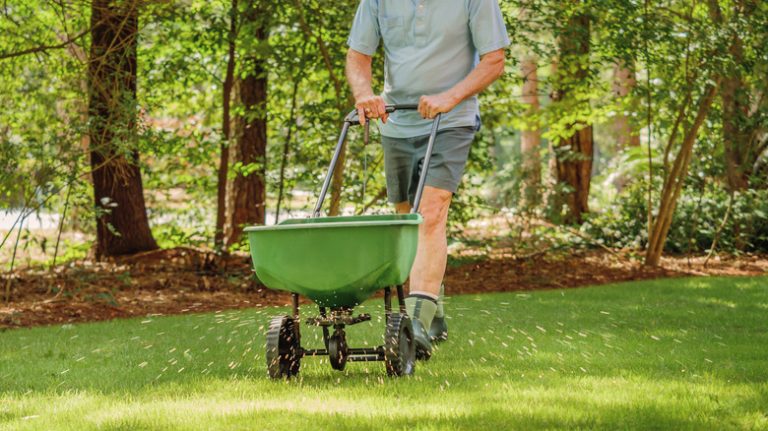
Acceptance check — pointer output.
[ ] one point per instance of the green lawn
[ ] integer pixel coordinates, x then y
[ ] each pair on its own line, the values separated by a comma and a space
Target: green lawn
666, 354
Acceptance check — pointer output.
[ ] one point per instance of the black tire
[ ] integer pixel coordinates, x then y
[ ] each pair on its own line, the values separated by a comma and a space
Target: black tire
283, 348
399, 346
337, 350
423, 355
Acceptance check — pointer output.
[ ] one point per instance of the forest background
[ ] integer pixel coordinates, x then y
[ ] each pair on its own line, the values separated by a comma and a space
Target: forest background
131, 125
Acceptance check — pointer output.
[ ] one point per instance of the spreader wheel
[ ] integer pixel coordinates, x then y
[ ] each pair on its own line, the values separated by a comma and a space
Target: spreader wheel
337, 349
283, 348
399, 347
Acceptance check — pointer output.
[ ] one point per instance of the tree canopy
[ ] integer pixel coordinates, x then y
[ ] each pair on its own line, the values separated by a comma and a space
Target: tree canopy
649, 117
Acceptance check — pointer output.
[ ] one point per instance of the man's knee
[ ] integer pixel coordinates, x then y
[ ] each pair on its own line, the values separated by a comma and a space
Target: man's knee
434, 207
403, 207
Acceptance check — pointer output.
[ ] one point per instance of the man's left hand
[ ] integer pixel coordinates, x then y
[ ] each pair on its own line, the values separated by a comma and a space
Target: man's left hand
430, 106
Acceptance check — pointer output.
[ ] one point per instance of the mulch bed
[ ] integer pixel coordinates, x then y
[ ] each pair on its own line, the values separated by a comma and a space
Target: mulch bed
188, 280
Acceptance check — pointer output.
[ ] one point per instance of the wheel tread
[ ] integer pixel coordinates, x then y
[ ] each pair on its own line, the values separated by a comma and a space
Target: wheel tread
283, 348
399, 362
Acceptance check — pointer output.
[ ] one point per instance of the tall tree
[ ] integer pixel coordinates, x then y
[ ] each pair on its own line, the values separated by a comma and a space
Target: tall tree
247, 203
574, 148
530, 136
623, 83
226, 128
530, 123
740, 109
673, 182
121, 223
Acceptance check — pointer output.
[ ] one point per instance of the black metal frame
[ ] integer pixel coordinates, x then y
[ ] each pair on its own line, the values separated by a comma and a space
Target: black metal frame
341, 317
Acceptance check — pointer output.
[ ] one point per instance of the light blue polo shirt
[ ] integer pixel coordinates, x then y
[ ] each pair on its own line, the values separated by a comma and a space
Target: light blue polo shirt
429, 46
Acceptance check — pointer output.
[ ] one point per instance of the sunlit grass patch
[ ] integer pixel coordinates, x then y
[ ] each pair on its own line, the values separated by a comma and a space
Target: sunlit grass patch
665, 354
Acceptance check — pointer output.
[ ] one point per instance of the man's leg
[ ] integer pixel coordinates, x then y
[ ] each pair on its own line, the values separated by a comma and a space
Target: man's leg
429, 266
432, 255
402, 160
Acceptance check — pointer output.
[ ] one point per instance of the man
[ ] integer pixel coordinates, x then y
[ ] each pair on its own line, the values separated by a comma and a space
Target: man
441, 54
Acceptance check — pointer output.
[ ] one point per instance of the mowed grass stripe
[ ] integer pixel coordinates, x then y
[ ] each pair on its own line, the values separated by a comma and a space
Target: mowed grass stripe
682, 354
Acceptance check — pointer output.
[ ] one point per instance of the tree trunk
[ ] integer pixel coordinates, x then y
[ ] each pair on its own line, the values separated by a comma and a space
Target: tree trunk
530, 138
553, 197
736, 133
738, 142
673, 183
574, 153
623, 83
247, 204
121, 220
286, 147
740, 154
226, 127
574, 168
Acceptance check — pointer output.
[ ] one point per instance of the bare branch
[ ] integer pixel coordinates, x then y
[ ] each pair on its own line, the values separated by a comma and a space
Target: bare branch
44, 48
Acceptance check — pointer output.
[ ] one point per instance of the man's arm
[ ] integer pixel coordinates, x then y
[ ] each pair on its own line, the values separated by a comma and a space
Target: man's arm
358, 72
490, 68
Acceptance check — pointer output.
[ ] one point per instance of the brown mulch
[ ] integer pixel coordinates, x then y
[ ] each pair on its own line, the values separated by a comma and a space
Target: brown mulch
187, 280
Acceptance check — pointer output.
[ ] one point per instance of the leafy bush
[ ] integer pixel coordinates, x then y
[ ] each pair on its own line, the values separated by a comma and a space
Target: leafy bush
698, 217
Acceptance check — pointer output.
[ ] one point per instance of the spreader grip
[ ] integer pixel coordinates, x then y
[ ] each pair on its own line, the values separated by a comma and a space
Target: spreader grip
352, 118
401, 107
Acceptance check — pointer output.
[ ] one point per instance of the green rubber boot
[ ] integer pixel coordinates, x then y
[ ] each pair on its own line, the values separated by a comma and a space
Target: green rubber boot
438, 330
422, 311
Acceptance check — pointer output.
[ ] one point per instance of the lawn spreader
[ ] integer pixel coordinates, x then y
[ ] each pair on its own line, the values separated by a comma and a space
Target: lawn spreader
339, 262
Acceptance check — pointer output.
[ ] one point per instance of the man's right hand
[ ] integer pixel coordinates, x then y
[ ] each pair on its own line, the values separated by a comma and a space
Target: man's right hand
371, 107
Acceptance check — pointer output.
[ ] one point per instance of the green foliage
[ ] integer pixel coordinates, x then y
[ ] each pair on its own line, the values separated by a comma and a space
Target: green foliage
674, 48
42, 101
509, 184
171, 235
73, 250
622, 224
699, 217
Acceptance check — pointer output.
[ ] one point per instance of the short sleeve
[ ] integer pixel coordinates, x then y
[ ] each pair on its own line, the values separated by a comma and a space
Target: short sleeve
487, 26
364, 36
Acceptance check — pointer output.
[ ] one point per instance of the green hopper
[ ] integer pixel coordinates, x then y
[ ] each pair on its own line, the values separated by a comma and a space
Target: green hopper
335, 261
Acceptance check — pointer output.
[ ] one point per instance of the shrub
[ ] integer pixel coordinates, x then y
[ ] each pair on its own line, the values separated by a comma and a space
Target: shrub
698, 217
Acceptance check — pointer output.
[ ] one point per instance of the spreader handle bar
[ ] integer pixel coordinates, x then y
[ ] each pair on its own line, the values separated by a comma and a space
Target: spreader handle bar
352, 119
331, 168
425, 164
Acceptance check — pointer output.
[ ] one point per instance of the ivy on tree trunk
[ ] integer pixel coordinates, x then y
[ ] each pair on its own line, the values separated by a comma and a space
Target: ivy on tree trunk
226, 130
121, 219
247, 203
574, 152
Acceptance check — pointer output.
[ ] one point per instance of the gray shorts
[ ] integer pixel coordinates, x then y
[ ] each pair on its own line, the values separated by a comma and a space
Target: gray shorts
403, 158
